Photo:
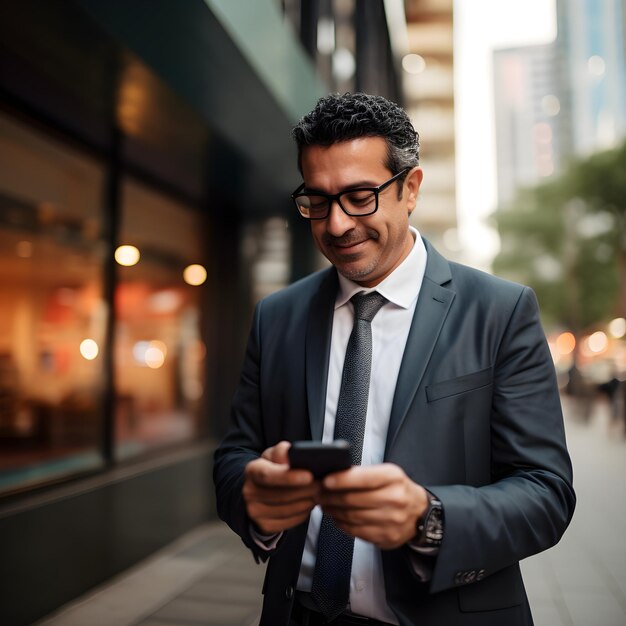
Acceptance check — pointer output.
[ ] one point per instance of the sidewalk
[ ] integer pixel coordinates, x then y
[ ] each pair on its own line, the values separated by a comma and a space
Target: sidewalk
208, 578
582, 580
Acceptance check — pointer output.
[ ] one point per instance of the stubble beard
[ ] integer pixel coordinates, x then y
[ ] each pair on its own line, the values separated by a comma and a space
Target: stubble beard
345, 265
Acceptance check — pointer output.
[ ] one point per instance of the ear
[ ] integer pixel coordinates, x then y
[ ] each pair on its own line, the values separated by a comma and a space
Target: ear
412, 184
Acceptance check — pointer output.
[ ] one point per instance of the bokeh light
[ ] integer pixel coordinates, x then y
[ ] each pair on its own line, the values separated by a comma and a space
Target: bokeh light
194, 274
617, 327
598, 342
413, 63
127, 255
565, 343
89, 349
150, 353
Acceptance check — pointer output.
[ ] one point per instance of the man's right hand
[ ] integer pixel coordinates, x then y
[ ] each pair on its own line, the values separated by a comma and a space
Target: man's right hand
277, 497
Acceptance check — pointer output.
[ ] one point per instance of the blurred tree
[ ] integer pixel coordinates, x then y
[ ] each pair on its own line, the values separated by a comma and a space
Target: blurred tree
566, 238
601, 181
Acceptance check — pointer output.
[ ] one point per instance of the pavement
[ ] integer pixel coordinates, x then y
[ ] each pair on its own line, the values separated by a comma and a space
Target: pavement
208, 578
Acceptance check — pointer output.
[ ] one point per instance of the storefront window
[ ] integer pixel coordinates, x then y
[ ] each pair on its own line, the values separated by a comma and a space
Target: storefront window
52, 315
159, 352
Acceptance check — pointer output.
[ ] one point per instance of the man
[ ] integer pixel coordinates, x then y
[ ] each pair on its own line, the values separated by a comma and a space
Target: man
458, 428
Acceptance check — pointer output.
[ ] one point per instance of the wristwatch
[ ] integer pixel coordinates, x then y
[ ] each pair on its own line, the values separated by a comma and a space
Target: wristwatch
430, 525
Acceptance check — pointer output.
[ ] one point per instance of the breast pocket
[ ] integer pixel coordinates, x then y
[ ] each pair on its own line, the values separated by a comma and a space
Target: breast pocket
460, 385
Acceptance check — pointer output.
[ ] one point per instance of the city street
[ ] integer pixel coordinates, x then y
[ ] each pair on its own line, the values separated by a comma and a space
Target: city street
208, 578
582, 580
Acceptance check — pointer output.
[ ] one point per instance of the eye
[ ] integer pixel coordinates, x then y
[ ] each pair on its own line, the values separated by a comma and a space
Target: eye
317, 202
359, 198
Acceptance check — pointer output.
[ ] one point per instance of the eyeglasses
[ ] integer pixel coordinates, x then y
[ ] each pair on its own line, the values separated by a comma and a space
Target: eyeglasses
358, 201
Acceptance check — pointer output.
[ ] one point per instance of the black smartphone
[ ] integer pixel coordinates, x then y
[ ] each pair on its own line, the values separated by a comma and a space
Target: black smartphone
320, 458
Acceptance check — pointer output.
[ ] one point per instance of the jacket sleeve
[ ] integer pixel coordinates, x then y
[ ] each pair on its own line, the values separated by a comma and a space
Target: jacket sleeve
244, 442
530, 500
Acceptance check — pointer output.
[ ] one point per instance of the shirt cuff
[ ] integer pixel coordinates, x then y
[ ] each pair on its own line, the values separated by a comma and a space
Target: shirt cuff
265, 542
425, 550
422, 560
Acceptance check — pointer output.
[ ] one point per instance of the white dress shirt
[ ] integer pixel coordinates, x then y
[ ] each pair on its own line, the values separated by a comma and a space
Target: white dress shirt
390, 329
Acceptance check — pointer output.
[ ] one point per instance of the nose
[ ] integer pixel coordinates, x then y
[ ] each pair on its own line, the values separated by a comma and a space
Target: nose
338, 222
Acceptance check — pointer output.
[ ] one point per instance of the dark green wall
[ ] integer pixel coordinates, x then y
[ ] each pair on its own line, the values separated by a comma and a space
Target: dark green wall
56, 547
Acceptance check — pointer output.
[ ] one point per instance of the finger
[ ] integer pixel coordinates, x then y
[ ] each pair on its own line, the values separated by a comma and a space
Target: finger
263, 511
368, 517
364, 477
278, 453
356, 499
264, 472
280, 495
382, 537
278, 518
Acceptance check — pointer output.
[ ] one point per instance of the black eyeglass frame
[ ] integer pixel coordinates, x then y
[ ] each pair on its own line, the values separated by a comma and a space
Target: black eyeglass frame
336, 197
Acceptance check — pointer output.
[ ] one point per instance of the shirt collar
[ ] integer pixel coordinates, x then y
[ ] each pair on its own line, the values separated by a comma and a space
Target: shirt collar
401, 287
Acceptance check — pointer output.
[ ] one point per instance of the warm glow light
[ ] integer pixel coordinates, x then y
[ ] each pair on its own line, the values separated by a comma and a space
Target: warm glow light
154, 357
413, 64
150, 353
89, 349
166, 301
565, 343
127, 255
598, 342
617, 327
194, 275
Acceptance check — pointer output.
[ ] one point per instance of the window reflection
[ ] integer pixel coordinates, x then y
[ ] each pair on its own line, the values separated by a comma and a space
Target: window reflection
52, 317
158, 351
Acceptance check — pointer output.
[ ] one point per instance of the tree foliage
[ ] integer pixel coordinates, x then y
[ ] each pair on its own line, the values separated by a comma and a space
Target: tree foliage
566, 238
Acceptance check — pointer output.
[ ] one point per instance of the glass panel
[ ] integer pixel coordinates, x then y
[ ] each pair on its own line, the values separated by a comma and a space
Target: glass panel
266, 248
159, 353
52, 317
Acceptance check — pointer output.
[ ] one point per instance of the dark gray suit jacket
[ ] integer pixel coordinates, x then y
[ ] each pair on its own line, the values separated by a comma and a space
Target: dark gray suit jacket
476, 419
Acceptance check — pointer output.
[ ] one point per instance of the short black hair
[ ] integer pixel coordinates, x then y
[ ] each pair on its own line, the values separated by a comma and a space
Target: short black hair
337, 118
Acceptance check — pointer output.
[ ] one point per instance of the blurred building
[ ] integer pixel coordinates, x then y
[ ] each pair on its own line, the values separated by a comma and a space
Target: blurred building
591, 45
146, 167
428, 79
526, 109
561, 100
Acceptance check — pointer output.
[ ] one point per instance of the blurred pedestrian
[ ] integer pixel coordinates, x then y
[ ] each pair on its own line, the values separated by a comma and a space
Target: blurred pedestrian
439, 376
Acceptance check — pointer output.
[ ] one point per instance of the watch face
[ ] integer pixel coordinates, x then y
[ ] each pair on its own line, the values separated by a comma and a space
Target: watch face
434, 528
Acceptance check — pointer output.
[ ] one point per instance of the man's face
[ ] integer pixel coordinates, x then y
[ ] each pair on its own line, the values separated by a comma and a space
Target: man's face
363, 249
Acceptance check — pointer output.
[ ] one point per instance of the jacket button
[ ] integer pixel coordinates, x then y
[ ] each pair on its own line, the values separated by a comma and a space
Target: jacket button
289, 592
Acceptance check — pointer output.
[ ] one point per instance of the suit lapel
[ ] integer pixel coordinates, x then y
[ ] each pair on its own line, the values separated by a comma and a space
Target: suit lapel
318, 335
431, 310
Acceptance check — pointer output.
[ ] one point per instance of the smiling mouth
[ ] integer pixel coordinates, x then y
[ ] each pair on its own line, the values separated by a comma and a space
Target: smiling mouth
350, 244
349, 247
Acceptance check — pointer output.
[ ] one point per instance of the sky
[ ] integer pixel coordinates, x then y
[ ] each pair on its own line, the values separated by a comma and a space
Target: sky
481, 26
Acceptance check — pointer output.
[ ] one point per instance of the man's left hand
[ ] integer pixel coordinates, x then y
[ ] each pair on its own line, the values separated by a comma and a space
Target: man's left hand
377, 503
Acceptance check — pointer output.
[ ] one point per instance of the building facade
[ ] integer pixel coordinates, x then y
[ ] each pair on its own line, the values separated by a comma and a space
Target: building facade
428, 79
591, 48
146, 167
526, 116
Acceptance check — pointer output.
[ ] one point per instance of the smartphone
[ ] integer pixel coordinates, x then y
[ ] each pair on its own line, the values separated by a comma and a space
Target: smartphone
320, 458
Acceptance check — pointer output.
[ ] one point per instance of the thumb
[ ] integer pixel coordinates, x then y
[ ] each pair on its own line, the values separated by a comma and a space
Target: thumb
278, 453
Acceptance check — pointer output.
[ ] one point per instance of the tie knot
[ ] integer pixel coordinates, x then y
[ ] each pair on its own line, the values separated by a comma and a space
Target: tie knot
366, 305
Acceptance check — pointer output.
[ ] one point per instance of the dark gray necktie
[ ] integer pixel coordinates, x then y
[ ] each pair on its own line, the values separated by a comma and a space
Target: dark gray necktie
331, 578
